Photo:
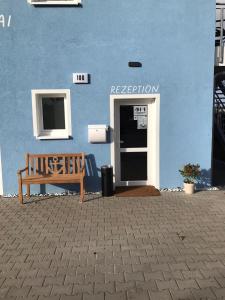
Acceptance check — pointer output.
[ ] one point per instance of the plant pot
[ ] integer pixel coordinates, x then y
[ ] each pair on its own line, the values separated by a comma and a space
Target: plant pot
189, 188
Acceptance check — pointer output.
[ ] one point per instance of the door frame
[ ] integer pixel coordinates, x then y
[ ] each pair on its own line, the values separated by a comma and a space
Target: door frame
153, 161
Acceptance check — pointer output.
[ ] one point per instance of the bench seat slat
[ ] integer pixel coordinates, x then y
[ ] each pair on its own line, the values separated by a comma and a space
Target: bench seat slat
52, 179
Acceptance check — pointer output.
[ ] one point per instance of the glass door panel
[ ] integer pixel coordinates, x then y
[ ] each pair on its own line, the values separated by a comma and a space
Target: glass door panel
133, 127
133, 166
133, 143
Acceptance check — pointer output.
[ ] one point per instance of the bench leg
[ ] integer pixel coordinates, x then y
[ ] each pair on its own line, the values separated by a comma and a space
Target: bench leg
82, 191
20, 192
28, 190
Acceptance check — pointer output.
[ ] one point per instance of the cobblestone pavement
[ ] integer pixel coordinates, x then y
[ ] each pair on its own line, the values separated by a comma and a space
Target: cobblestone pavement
167, 247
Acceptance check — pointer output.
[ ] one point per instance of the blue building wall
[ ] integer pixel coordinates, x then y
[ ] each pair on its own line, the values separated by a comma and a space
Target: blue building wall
174, 41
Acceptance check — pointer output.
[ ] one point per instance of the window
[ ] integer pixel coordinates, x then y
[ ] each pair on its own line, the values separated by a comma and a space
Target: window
51, 114
54, 2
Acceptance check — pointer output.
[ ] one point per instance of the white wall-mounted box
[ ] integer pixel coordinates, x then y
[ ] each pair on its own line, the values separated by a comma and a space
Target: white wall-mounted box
80, 78
97, 133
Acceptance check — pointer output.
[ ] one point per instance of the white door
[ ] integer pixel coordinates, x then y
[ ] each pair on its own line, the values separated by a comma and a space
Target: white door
132, 142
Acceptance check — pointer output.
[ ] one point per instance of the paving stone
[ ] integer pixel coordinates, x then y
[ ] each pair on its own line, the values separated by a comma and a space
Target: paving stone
187, 284
15, 282
104, 287
97, 278
138, 252
2, 281
120, 287
116, 296
136, 276
196, 265
166, 284
83, 288
132, 295
104, 269
221, 281
162, 295
211, 273
40, 291
173, 275
203, 294
22, 298
38, 281
94, 297
18, 258
153, 275
182, 295
205, 283
10, 274
58, 263
214, 265
166, 259
62, 289
145, 246
28, 273
76, 279
74, 297
133, 260
109, 259
123, 268
178, 266
69, 271
184, 258
149, 285
57, 280
189, 250
3, 292
155, 252
160, 267
18, 292
220, 293
122, 254
192, 274
49, 298
51, 272
202, 258
23, 266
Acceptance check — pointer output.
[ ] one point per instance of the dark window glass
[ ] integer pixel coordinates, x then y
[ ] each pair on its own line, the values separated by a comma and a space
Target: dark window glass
133, 166
131, 135
53, 113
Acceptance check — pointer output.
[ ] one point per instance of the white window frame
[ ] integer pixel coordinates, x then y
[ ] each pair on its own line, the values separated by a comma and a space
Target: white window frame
39, 131
54, 2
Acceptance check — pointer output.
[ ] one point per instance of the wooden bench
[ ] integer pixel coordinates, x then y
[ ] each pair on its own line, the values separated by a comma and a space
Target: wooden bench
52, 169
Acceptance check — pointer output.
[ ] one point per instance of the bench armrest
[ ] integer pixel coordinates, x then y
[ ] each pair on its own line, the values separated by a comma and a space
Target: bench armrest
19, 172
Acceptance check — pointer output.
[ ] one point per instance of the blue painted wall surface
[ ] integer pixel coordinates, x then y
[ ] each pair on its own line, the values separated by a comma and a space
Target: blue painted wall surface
173, 39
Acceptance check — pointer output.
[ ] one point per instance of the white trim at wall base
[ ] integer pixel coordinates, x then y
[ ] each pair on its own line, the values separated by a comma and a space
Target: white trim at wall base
1, 179
154, 99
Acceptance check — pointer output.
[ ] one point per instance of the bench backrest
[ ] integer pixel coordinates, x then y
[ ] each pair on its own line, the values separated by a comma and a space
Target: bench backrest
55, 164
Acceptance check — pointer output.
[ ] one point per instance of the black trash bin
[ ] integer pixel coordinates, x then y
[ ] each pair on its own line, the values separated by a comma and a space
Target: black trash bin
107, 180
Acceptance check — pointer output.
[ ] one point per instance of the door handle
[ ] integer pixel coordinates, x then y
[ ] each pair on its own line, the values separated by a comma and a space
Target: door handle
121, 142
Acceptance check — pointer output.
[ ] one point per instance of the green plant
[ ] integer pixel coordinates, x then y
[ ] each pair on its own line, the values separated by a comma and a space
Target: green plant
190, 172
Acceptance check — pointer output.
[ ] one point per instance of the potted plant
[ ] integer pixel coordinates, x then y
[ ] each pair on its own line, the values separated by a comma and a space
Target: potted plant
191, 173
